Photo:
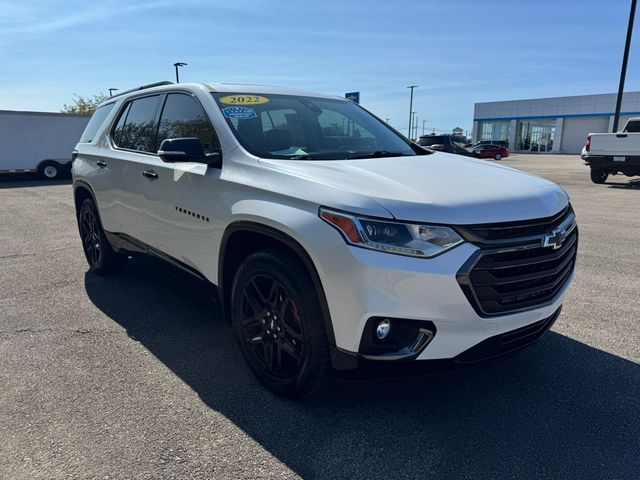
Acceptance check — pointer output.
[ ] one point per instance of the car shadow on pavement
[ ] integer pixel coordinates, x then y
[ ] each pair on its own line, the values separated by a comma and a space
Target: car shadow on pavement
559, 409
633, 184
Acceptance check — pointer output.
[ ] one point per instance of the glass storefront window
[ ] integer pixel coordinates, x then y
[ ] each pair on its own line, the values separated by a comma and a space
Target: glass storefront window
494, 130
535, 135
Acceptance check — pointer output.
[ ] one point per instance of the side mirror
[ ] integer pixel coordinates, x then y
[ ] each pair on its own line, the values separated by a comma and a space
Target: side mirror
187, 150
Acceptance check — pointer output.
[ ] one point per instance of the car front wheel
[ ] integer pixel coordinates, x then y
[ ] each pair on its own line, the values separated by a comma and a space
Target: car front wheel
498, 156
279, 324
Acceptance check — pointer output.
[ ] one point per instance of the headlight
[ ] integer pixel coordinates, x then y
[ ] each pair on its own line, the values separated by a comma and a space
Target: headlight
414, 240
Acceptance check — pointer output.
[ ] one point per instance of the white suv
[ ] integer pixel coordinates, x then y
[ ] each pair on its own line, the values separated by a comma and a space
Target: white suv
333, 240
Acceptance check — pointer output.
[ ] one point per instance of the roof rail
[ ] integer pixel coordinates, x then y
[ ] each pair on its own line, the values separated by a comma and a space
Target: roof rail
144, 87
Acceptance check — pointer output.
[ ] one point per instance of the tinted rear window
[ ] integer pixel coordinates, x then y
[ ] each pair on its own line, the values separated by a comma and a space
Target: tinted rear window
428, 141
140, 127
97, 119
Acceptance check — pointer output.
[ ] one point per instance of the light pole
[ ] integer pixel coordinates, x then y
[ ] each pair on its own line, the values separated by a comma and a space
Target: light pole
423, 122
623, 72
111, 90
387, 120
411, 87
414, 123
177, 65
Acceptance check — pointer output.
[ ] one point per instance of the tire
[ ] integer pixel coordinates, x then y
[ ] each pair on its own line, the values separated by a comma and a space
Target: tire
498, 156
279, 325
102, 259
50, 170
599, 175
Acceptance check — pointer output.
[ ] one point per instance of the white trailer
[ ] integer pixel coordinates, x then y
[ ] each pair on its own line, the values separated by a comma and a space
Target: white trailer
38, 141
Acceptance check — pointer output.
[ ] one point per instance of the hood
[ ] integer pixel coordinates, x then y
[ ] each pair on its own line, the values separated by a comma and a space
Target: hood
438, 188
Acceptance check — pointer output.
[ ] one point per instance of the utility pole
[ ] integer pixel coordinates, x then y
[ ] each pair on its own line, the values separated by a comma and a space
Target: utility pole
414, 134
177, 65
413, 124
111, 90
423, 123
411, 87
623, 72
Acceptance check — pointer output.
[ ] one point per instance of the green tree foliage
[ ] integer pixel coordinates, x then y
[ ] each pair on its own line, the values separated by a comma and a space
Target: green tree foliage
84, 106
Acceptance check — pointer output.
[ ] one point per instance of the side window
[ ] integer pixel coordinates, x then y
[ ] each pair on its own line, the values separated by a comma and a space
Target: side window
116, 133
97, 119
139, 129
183, 116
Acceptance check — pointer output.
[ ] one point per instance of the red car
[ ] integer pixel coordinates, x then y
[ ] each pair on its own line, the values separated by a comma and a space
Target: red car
491, 151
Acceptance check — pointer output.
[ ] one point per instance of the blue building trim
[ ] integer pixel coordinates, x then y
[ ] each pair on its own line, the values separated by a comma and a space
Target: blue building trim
571, 115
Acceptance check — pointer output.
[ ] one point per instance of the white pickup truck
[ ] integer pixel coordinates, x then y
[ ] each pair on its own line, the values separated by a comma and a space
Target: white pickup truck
612, 153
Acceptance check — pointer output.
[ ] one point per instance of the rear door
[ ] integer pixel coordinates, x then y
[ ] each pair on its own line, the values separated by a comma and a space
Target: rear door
119, 182
178, 205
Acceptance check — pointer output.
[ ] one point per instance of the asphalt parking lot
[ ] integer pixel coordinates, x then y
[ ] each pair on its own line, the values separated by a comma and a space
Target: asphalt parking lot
137, 376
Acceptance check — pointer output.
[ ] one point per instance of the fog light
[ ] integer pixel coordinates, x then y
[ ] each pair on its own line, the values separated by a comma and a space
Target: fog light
383, 329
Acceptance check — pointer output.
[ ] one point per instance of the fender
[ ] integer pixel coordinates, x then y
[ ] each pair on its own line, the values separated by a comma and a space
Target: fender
338, 359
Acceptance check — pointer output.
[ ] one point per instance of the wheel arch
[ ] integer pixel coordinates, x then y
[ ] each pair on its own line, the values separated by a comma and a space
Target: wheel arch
243, 237
82, 191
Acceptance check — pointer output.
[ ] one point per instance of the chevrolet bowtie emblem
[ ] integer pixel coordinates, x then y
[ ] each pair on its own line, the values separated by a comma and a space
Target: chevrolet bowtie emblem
554, 239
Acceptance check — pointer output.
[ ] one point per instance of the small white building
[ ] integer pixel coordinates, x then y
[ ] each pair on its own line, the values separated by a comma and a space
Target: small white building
558, 124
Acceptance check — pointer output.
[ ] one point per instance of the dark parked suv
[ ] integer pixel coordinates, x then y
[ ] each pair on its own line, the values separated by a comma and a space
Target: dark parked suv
444, 143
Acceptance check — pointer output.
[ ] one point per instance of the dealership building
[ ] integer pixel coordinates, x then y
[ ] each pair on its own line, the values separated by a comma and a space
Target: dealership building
559, 124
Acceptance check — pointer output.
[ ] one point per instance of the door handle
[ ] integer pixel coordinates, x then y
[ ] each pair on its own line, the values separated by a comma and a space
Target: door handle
101, 163
150, 174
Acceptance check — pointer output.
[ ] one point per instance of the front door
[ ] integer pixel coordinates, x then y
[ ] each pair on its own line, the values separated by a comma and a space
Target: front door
178, 204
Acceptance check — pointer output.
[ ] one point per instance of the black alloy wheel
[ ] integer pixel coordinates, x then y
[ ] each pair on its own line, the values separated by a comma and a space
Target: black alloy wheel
271, 327
102, 259
90, 236
279, 324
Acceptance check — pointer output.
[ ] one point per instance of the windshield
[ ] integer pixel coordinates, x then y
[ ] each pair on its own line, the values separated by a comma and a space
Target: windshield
308, 128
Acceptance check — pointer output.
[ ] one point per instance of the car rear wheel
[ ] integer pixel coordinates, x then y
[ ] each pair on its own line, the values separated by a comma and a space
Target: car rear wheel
102, 259
599, 175
497, 156
279, 324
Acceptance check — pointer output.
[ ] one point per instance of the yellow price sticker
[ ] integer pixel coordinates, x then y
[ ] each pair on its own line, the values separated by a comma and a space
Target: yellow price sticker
243, 100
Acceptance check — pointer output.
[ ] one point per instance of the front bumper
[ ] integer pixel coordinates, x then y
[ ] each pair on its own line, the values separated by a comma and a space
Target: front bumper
360, 284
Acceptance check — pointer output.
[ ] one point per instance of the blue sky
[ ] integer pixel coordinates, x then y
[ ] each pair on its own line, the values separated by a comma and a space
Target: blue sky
457, 52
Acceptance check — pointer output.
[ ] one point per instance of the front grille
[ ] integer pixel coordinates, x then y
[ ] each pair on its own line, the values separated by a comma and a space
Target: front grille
519, 276
486, 233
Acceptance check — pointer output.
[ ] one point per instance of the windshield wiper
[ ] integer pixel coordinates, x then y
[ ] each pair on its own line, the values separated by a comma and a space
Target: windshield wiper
378, 154
300, 157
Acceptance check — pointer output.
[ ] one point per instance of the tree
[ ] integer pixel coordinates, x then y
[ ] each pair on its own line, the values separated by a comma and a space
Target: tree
84, 106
